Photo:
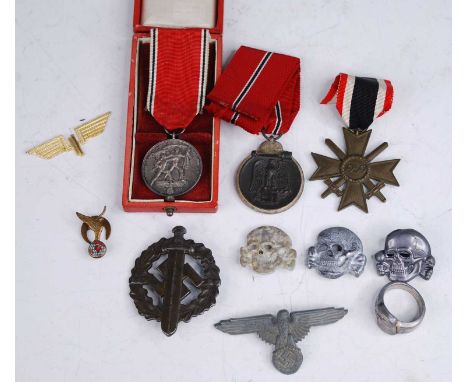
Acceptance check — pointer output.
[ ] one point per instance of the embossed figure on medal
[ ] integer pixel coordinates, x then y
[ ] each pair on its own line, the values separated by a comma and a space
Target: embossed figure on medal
171, 168
270, 180
174, 167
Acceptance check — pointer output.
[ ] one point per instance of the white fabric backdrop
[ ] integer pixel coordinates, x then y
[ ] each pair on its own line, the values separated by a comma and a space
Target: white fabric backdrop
75, 320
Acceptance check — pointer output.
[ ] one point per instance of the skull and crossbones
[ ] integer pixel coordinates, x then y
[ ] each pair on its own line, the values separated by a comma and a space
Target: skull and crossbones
407, 254
338, 251
268, 248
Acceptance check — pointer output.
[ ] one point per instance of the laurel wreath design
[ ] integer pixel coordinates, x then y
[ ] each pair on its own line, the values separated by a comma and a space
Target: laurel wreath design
140, 276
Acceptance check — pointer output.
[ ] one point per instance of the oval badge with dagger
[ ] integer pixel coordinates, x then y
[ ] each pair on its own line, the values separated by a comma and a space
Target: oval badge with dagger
174, 280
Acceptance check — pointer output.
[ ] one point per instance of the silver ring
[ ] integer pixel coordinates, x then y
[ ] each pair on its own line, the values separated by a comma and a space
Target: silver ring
387, 321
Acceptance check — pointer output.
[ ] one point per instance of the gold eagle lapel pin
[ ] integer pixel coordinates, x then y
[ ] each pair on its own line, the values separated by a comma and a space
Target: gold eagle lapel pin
83, 134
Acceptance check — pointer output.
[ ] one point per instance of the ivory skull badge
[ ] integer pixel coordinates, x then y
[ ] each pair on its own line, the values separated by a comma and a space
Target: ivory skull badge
337, 251
406, 255
167, 288
268, 248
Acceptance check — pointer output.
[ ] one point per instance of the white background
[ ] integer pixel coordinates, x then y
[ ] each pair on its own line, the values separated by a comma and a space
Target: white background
75, 320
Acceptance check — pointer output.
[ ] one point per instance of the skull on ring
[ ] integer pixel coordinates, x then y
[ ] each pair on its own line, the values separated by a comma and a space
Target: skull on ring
407, 254
338, 251
268, 248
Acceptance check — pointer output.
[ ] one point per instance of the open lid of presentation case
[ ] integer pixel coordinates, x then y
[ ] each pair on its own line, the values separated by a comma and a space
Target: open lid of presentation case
206, 14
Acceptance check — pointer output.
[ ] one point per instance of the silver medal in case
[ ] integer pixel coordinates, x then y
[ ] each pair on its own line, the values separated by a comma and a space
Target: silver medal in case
171, 168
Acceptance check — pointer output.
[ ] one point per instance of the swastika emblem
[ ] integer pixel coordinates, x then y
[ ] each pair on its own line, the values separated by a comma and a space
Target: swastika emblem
163, 270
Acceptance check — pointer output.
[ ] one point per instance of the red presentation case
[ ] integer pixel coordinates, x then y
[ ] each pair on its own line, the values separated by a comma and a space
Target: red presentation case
143, 131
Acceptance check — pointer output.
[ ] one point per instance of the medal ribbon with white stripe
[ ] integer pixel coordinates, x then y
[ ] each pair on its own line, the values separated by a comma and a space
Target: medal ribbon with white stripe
178, 73
360, 100
258, 91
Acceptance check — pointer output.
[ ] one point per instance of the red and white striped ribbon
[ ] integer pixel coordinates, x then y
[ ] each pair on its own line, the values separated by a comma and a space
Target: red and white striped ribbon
177, 75
360, 100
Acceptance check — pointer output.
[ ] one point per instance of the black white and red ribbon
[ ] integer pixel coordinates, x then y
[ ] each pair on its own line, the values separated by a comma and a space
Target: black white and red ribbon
360, 100
178, 72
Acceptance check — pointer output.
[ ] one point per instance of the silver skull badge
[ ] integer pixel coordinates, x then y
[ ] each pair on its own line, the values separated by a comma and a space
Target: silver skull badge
268, 248
338, 251
407, 254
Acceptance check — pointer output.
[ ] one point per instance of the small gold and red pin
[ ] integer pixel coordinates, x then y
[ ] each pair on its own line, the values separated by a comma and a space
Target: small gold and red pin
97, 224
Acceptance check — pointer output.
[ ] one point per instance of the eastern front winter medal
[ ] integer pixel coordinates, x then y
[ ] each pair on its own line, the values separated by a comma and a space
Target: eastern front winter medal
176, 94
260, 92
270, 180
353, 175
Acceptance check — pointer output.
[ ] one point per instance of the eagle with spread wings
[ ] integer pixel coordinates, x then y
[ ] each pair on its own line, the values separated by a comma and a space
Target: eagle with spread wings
60, 144
270, 180
283, 331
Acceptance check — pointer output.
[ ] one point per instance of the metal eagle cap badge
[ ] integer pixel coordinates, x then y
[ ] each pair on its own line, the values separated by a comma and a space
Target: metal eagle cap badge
353, 176
283, 330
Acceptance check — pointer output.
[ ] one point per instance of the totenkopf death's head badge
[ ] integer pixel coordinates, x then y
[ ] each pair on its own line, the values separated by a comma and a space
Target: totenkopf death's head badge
283, 331
407, 254
353, 175
96, 224
268, 248
174, 280
338, 251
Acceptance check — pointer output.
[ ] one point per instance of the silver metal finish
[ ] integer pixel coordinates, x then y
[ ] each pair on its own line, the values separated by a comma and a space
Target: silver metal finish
407, 254
338, 251
171, 168
268, 248
283, 331
387, 321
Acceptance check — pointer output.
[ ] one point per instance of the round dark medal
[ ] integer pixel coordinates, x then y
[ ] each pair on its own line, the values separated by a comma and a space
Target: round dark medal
171, 168
270, 180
